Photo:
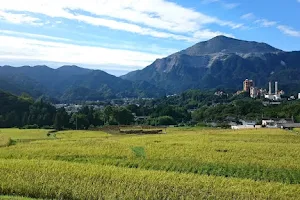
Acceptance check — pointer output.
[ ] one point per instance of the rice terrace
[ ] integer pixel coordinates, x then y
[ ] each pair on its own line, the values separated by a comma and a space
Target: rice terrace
184, 163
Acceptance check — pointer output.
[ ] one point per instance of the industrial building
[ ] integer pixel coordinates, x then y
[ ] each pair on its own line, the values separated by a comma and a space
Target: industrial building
276, 96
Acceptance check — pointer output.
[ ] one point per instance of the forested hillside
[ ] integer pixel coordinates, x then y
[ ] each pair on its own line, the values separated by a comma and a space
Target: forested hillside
72, 83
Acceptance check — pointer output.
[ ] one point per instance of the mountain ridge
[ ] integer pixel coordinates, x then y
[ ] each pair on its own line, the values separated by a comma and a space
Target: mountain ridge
216, 63
223, 44
67, 82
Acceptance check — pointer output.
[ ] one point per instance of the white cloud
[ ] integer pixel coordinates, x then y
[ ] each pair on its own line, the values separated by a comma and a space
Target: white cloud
19, 18
209, 1
204, 34
230, 5
44, 51
223, 3
22, 34
123, 26
248, 16
265, 23
232, 25
260, 22
157, 18
288, 31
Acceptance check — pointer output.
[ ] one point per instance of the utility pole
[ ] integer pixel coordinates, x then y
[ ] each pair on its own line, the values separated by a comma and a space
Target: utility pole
76, 123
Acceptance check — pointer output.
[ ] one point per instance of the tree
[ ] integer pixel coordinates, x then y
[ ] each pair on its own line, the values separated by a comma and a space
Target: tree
61, 119
58, 125
98, 118
134, 109
2, 120
13, 119
41, 113
163, 120
26, 97
108, 111
25, 119
123, 116
166, 120
79, 121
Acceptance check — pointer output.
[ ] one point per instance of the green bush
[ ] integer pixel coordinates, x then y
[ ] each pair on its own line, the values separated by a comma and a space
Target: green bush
48, 127
34, 126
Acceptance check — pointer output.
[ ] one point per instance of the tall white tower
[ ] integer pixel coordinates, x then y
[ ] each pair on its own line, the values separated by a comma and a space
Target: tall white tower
276, 88
270, 88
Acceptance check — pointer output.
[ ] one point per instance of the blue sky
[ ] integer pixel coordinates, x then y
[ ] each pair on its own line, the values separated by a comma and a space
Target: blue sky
118, 36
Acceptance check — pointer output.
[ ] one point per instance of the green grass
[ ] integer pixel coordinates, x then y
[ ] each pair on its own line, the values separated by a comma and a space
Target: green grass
204, 163
139, 152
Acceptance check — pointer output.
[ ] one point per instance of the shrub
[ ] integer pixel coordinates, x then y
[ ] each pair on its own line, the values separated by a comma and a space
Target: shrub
47, 127
34, 126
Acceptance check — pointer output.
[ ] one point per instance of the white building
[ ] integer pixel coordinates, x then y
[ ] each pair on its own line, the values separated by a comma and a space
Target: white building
273, 123
237, 127
245, 125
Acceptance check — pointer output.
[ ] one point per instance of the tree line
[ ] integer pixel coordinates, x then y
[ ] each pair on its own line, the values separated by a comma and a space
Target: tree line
25, 112
189, 108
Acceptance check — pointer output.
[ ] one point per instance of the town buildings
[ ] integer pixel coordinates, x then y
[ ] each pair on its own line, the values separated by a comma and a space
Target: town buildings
254, 92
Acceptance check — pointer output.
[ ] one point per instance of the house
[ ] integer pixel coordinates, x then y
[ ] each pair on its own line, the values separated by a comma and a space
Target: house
245, 125
276, 122
237, 127
248, 123
289, 125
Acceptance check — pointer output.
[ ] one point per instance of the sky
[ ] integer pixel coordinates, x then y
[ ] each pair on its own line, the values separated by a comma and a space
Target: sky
119, 36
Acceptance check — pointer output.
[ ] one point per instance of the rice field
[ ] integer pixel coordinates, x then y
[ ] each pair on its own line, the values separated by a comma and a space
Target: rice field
185, 163
15, 198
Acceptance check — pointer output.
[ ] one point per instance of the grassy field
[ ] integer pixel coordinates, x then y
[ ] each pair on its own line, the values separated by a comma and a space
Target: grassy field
185, 163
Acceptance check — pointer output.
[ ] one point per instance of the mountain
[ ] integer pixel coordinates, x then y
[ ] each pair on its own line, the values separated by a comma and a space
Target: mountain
222, 62
72, 83
226, 45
